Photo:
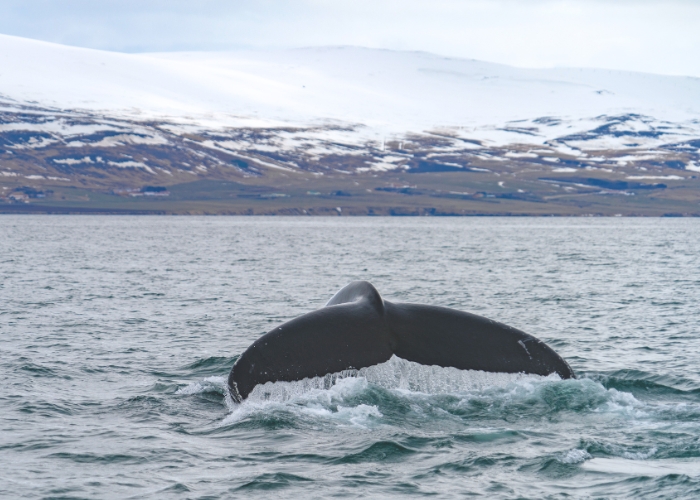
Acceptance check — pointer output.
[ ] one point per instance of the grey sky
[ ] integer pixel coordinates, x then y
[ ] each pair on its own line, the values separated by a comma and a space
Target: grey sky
639, 35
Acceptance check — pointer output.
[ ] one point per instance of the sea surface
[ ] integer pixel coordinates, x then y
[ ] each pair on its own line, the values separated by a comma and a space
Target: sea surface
117, 334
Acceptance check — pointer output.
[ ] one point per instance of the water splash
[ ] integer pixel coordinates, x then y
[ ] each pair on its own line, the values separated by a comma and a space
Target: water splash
401, 393
575, 456
397, 374
209, 384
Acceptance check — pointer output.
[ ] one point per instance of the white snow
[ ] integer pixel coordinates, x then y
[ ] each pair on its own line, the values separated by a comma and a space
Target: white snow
35, 143
121, 139
73, 161
663, 177
514, 154
59, 126
389, 92
131, 164
265, 163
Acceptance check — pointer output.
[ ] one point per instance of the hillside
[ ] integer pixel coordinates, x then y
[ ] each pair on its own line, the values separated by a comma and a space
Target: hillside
339, 130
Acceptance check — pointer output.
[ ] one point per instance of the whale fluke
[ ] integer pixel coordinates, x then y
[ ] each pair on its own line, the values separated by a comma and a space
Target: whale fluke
357, 329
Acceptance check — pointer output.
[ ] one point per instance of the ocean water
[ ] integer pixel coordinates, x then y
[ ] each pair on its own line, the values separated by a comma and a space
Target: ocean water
117, 334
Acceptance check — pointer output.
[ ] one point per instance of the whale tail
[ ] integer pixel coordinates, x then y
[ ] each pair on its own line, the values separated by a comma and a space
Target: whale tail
357, 329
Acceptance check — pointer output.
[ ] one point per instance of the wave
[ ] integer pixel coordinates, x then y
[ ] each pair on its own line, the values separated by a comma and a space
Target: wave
207, 385
403, 408
638, 381
648, 468
404, 394
212, 365
398, 374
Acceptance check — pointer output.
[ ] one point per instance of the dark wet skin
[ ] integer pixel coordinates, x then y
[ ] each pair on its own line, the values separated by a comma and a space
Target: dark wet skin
357, 329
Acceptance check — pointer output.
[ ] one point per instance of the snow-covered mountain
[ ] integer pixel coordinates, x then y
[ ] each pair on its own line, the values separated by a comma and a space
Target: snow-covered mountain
395, 91
101, 119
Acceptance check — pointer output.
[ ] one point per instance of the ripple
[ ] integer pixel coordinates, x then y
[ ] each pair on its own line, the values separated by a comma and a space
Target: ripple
273, 481
383, 451
119, 333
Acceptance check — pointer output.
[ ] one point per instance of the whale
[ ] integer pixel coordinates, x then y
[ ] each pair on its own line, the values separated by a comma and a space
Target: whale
357, 328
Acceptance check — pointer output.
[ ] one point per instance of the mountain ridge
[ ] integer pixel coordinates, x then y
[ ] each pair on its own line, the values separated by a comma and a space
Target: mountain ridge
411, 128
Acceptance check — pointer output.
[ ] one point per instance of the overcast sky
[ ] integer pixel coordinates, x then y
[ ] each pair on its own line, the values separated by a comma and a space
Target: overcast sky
640, 35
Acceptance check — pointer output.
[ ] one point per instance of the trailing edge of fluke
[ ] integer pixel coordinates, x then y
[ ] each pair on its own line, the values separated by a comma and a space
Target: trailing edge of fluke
357, 329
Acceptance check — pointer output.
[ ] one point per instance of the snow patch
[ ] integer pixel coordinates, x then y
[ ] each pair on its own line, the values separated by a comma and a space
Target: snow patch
662, 177
73, 161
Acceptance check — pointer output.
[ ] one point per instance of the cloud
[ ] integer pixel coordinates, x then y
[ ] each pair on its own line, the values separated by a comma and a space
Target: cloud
639, 35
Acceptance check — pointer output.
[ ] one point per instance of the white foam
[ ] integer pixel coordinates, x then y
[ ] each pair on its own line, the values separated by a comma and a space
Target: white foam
643, 467
204, 385
309, 400
575, 456
398, 374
